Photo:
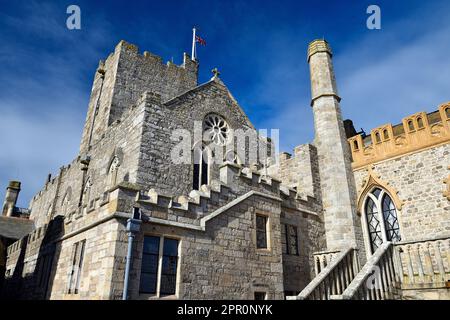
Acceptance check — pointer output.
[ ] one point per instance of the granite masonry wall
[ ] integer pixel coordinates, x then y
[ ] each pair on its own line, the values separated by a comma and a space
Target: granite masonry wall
121, 80
418, 180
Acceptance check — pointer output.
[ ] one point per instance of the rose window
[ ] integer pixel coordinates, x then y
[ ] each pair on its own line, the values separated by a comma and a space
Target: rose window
216, 129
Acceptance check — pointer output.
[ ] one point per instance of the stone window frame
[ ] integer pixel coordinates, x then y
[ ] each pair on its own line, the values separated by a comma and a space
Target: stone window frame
259, 292
262, 288
87, 190
76, 267
269, 237
113, 170
199, 146
217, 124
297, 245
157, 295
373, 181
65, 202
380, 215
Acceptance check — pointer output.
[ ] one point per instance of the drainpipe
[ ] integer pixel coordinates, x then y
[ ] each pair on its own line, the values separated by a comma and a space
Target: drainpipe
133, 227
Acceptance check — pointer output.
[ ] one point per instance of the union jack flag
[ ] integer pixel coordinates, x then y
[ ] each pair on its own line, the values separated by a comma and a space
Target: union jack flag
200, 40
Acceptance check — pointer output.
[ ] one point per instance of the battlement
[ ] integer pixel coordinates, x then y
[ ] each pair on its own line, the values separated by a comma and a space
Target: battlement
417, 131
123, 77
124, 46
33, 240
236, 184
298, 171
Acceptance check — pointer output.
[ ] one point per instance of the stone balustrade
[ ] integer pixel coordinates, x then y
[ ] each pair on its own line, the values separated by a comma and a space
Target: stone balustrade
424, 262
339, 272
376, 280
322, 259
399, 266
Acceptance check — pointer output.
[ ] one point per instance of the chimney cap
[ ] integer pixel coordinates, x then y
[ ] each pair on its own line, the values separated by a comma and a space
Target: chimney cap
14, 185
319, 45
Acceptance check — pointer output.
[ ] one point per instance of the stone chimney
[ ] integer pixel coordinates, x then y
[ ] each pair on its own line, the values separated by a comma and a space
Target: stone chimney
342, 224
12, 193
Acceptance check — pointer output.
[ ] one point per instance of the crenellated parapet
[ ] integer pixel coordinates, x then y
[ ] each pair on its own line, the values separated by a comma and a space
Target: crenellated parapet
416, 132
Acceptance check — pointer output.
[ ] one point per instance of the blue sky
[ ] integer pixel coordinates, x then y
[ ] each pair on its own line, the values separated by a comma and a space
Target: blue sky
259, 47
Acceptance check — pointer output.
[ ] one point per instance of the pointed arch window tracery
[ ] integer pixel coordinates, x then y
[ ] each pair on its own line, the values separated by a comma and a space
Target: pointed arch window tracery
381, 218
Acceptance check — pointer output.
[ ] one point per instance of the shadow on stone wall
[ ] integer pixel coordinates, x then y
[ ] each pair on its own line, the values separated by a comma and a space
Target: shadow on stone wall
37, 284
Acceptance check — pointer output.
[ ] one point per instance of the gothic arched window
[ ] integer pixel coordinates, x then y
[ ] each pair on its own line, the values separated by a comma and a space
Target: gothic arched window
87, 192
112, 172
66, 202
201, 167
381, 218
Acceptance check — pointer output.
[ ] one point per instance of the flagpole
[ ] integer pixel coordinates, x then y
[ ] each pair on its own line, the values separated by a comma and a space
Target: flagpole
193, 44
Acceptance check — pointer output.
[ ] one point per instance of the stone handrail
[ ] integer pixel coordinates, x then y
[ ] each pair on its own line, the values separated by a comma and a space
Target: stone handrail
376, 279
333, 279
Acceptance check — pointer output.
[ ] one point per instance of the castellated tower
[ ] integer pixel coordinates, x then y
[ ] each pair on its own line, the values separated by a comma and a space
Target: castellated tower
342, 225
122, 78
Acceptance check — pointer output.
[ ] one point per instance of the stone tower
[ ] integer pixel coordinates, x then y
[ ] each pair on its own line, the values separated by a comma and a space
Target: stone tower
342, 225
122, 78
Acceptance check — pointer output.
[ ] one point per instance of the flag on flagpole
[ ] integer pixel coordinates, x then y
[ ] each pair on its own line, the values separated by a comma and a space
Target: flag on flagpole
195, 39
200, 40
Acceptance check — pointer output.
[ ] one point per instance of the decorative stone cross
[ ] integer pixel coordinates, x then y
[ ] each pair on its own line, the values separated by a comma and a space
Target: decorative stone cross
215, 72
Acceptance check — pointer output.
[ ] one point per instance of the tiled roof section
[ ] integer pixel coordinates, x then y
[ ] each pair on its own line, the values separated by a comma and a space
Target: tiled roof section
15, 228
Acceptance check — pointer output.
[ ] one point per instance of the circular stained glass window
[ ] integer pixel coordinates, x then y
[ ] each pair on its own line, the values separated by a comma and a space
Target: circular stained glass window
216, 129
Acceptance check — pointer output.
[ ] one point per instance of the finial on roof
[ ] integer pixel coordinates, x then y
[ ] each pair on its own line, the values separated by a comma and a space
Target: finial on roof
216, 73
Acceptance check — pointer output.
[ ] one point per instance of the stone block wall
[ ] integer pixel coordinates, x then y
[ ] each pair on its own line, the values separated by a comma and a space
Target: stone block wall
300, 171
156, 168
418, 181
223, 262
61, 196
98, 264
298, 270
124, 77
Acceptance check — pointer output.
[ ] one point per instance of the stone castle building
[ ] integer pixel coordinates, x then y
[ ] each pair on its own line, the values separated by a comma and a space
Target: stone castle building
348, 216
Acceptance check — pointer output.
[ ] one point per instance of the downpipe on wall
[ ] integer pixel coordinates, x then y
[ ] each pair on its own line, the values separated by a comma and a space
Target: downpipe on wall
133, 227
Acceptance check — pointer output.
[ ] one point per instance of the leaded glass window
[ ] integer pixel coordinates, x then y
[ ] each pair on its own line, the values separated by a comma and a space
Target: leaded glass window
390, 219
201, 167
381, 218
149, 267
169, 267
291, 239
261, 232
373, 223
159, 266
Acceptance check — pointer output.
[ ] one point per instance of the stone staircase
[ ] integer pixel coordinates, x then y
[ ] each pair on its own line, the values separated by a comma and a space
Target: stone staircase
404, 270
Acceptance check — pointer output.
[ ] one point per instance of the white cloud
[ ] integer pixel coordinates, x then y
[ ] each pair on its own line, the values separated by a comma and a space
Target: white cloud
381, 78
